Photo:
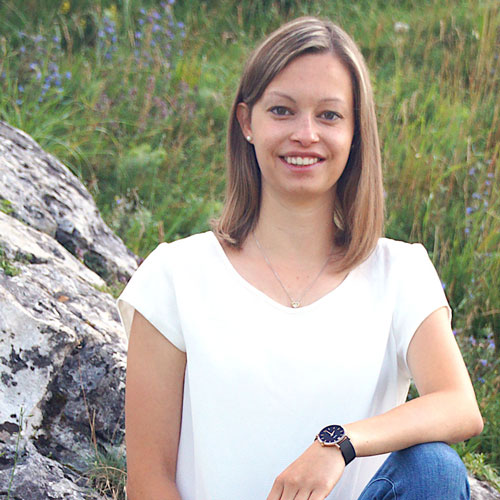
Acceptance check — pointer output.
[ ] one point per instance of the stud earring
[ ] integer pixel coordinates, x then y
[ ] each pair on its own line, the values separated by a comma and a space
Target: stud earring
249, 138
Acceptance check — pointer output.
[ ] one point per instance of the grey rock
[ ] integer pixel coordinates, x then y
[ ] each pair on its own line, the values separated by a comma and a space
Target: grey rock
481, 490
45, 195
62, 346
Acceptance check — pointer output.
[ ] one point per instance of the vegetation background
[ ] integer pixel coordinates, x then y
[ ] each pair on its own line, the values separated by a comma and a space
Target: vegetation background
133, 97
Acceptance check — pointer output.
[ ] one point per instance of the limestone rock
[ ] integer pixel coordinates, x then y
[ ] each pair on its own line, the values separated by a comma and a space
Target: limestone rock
481, 490
62, 346
40, 191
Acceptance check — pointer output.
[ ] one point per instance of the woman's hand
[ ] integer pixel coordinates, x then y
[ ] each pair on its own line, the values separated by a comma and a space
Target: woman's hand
311, 477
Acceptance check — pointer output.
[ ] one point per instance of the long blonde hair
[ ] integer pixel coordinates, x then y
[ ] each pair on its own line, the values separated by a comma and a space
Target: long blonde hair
359, 204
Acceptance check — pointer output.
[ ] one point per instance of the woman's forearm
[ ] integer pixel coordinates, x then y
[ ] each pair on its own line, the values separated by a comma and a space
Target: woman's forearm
439, 416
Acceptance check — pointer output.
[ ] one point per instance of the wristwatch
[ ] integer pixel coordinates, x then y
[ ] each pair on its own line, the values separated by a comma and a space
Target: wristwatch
334, 435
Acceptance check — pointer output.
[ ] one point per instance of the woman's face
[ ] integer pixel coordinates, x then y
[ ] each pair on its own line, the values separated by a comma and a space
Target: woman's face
302, 128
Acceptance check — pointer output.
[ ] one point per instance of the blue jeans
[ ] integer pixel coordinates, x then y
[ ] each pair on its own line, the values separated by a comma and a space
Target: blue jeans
429, 471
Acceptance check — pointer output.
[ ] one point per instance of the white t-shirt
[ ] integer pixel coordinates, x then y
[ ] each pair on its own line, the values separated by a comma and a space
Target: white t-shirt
262, 379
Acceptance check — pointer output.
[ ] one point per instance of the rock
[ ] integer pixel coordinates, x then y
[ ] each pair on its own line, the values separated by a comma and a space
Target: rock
44, 194
62, 346
481, 490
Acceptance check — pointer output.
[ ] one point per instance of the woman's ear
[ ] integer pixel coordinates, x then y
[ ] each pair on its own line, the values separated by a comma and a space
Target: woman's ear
243, 115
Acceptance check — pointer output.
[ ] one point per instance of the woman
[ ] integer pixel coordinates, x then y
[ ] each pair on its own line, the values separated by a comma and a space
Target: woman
293, 318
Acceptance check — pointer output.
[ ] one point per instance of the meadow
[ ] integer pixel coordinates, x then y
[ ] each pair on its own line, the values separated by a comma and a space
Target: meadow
133, 97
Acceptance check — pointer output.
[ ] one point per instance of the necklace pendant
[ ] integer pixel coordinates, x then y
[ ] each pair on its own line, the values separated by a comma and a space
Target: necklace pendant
295, 304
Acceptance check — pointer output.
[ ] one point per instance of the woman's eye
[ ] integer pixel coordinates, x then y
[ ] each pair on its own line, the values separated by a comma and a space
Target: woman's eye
280, 110
330, 115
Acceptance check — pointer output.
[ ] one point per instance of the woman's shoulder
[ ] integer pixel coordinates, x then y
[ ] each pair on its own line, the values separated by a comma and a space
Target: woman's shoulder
390, 255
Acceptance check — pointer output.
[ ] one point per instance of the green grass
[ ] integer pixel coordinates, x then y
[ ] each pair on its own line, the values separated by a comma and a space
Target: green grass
146, 133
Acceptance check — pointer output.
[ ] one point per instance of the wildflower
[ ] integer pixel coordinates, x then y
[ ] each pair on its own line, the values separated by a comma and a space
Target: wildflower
3, 75
156, 28
400, 27
38, 39
19, 102
65, 7
141, 21
68, 75
467, 230
171, 2
481, 379
443, 284
476, 196
114, 39
485, 203
22, 49
472, 340
56, 39
138, 35
455, 332
108, 55
142, 11
469, 210
483, 362
491, 344
38, 75
180, 25
488, 183
472, 171
156, 15
100, 34
20, 88
490, 175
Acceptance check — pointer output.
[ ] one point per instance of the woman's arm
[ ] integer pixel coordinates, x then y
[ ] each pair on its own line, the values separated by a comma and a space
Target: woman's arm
153, 408
446, 410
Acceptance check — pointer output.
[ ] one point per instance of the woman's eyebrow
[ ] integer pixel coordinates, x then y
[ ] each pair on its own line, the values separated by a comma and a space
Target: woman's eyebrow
277, 93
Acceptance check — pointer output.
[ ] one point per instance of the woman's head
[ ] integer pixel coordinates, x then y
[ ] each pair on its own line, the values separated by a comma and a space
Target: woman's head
358, 210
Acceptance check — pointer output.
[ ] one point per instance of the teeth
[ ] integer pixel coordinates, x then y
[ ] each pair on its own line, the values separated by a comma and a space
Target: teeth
297, 160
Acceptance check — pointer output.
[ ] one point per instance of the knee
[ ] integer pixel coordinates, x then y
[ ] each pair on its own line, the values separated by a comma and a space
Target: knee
438, 466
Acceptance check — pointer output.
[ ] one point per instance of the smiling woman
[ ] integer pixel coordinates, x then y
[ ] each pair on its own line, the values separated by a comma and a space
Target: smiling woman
294, 318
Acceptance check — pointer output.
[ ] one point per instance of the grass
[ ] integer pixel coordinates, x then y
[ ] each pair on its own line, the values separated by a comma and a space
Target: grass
143, 126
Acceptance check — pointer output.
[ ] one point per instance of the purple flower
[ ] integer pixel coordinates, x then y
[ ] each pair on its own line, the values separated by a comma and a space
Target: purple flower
156, 15
100, 34
472, 171
488, 183
156, 28
491, 344
481, 379
107, 55
490, 175
142, 11
467, 230
38, 75
38, 39
68, 75
138, 35
483, 362
180, 25
472, 340
19, 102
469, 210
56, 39
20, 88
455, 332
141, 21
476, 196
22, 49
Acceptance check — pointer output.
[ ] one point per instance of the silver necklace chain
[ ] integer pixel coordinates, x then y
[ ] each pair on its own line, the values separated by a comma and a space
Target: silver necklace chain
293, 302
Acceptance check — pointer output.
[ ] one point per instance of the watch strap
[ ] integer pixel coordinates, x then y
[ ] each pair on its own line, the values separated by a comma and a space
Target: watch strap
347, 450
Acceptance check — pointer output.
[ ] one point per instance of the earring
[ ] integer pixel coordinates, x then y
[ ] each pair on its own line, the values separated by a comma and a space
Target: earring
249, 138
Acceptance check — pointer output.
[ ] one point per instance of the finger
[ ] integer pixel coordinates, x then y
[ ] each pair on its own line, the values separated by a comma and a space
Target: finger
317, 495
276, 491
303, 495
290, 492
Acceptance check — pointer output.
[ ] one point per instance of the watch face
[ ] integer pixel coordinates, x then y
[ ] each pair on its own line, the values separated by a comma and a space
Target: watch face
331, 434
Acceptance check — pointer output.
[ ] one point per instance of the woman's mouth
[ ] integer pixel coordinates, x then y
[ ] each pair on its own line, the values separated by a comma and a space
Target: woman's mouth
301, 161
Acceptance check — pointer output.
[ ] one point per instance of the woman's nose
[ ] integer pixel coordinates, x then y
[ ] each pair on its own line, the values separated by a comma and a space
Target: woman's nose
305, 131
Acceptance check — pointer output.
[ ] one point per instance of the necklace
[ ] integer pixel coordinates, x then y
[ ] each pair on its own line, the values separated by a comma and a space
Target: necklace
293, 302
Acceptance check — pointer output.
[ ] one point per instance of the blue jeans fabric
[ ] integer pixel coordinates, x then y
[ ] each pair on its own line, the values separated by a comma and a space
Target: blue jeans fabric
429, 471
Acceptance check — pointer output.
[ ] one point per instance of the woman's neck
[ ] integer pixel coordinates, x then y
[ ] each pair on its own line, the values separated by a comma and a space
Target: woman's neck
301, 233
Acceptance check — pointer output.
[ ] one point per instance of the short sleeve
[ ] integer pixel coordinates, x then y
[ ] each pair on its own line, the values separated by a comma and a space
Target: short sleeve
151, 291
419, 292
